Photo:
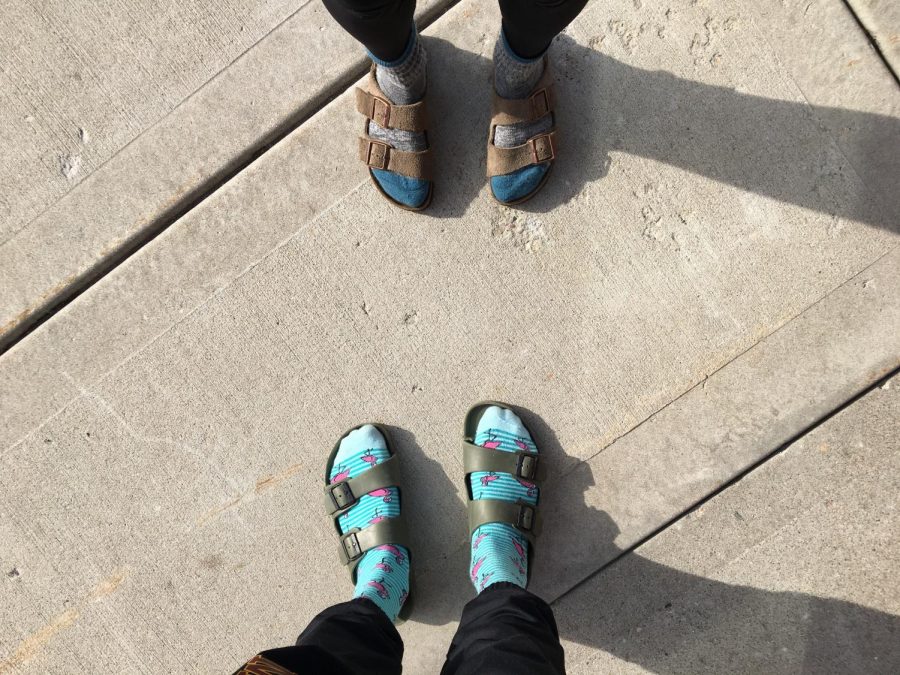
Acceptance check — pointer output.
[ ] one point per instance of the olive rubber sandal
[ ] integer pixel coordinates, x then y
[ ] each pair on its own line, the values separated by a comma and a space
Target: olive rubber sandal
522, 465
537, 149
342, 495
376, 154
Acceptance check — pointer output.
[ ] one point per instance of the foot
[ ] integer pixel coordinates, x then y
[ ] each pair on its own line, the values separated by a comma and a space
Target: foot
383, 573
499, 552
515, 78
403, 82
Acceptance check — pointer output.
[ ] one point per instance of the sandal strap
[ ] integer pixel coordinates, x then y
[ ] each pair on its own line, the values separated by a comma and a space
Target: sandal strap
376, 107
521, 464
343, 494
541, 148
355, 543
379, 155
521, 515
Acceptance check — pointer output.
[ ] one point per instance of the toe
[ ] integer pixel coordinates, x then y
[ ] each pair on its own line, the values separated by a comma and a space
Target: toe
513, 186
411, 192
504, 424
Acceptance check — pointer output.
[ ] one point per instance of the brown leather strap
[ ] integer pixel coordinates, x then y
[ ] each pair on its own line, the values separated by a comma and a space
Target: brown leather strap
539, 149
378, 155
385, 114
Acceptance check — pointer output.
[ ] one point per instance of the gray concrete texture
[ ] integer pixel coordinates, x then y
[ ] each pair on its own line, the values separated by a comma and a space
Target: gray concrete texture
792, 569
163, 435
108, 137
881, 18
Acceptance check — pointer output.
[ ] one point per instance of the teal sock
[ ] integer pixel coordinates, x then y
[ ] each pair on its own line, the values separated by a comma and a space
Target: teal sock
383, 573
499, 552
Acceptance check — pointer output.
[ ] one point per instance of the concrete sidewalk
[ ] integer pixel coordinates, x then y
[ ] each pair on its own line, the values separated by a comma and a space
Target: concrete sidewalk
712, 270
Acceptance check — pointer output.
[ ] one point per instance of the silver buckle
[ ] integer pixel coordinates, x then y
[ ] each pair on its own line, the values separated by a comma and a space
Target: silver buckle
352, 549
526, 466
341, 495
525, 520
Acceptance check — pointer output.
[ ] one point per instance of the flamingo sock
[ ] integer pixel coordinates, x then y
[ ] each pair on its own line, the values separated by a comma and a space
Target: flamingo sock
499, 552
383, 573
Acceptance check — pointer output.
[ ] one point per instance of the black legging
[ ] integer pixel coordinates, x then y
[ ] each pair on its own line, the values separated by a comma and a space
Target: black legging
383, 26
503, 631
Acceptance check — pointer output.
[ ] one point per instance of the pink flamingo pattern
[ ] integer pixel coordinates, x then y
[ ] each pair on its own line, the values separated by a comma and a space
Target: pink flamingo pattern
394, 551
491, 443
377, 518
484, 579
369, 458
477, 540
403, 596
476, 568
384, 566
343, 474
380, 588
385, 494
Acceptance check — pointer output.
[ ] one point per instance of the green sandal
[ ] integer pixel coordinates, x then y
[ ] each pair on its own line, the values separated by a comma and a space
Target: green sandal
342, 495
522, 465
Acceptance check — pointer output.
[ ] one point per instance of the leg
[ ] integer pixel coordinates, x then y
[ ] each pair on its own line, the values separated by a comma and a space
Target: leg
530, 25
506, 629
352, 637
383, 26
386, 29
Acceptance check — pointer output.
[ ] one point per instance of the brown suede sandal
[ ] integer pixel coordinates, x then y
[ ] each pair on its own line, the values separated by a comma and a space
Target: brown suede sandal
375, 106
538, 149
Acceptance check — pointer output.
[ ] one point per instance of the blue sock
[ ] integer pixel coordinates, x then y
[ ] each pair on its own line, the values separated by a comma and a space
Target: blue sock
383, 573
499, 552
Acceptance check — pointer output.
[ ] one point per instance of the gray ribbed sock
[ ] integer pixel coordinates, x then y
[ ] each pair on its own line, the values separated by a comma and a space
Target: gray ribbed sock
403, 82
515, 77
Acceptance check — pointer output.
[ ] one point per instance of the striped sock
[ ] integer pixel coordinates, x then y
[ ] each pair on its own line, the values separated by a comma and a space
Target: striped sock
383, 573
498, 551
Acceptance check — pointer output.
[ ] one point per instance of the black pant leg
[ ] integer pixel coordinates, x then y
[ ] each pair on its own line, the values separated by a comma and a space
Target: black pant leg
506, 629
530, 25
346, 639
383, 26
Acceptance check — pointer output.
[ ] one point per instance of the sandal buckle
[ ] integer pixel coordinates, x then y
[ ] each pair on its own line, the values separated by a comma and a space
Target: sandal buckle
380, 112
341, 495
525, 520
351, 547
377, 154
540, 103
526, 466
542, 148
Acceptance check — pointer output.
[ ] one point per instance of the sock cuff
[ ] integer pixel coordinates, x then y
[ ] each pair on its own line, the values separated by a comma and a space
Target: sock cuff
407, 51
512, 53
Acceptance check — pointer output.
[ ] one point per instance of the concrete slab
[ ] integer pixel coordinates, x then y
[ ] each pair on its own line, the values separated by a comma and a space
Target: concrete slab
148, 496
735, 418
116, 127
882, 19
792, 569
856, 109
80, 82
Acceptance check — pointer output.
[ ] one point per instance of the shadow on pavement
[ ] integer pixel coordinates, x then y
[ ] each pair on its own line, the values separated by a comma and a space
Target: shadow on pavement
779, 149
664, 619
